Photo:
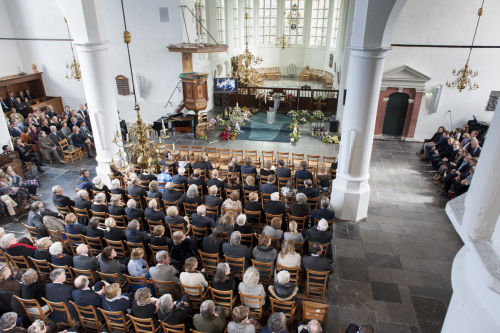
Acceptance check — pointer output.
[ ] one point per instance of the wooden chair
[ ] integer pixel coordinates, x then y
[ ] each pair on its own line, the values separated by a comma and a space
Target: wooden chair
121, 221
254, 302
269, 217
69, 155
189, 208
282, 182
223, 298
70, 277
158, 201
116, 321
81, 213
112, 278
324, 247
224, 156
265, 197
299, 247
237, 265
87, 316
299, 183
101, 216
285, 156
199, 232
19, 263
42, 267
33, 309
152, 224
4, 260
34, 233
63, 210
314, 310
238, 153
94, 244
212, 210
56, 236
137, 199
254, 217
176, 227
253, 155
86, 272
328, 160
294, 272
265, 271
301, 221
183, 150
61, 307
74, 240
209, 261
181, 328
268, 156
316, 283
131, 246
296, 159
163, 287
247, 239
144, 325
167, 204
196, 294
155, 249
180, 187
287, 307
135, 282
313, 161
119, 247
313, 202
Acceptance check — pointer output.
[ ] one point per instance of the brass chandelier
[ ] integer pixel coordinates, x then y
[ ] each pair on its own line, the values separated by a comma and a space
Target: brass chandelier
246, 72
465, 74
74, 67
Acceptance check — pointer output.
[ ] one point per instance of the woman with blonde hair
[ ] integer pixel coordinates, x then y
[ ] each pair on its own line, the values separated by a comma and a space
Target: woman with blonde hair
292, 233
31, 288
274, 230
42, 249
233, 202
137, 266
287, 256
145, 306
116, 206
323, 177
113, 299
267, 168
251, 286
72, 226
192, 277
6, 281
226, 223
250, 184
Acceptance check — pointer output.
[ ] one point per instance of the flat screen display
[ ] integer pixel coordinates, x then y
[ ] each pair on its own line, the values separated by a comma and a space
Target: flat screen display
225, 84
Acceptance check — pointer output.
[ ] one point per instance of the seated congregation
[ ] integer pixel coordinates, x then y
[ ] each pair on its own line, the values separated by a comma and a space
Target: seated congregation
206, 245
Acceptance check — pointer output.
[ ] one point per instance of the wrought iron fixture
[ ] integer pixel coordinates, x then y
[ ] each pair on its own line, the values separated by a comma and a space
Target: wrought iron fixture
283, 41
465, 74
246, 72
74, 67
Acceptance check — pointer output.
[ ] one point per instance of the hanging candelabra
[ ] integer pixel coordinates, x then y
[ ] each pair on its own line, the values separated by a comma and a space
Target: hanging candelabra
74, 67
246, 72
465, 74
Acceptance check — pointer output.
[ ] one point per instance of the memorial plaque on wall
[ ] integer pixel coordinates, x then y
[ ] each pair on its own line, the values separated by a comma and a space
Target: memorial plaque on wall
122, 85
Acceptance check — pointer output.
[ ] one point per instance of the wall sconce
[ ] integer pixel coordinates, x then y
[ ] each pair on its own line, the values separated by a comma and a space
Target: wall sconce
432, 98
428, 96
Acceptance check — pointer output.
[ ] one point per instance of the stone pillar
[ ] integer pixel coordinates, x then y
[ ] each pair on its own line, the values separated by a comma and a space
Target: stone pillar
352, 192
475, 275
4, 133
85, 21
100, 93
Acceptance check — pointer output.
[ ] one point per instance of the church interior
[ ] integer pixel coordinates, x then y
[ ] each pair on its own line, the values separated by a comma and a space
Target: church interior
249, 166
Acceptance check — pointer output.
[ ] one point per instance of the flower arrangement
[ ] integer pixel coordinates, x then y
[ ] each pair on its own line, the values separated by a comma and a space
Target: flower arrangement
333, 139
232, 125
317, 115
320, 98
295, 135
299, 116
202, 136
224, 136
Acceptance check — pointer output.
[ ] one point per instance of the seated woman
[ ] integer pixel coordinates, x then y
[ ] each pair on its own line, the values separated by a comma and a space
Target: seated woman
93, 230
183, 247
191, 196
158, 237
267, 169
287, 256
292, 233
7, 283
109, 264
59, 258
223, 279
145, 306
116, 206
242, 225
288, 190
99, 203
31, 288
17, 247
301, 208
174, 218
153, 190
30, 185
18, 194
116, 187
264, 252
251, 286
250, 184
173, 313
213, 242
282, 289
191, 277
99, 186
240, 322
72, 226
233, 202
253, 204
233, 183
197, 179
137, 266
113, 299
275, 324
323, 177
274, 230
42, 249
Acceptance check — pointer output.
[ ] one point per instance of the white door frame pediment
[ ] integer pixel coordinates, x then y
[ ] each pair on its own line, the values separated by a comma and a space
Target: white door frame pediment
404, 77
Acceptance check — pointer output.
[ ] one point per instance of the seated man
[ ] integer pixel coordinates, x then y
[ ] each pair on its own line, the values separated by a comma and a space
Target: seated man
316, 261
163, 271
170, 194
82, 202
324, 212
248, 168
210, 318
164, 177
212, 199
200, 219
48, 149
83, 261
35, 218
282, 171
234, 249
132, 211
59, 199
15, 130
135, 189
275, 206
153, 213
84, 296
57, 291
79, 141
219, 183
269, 187
26, 154
179, 178
309, 190
303, 173
320, 234
83, 181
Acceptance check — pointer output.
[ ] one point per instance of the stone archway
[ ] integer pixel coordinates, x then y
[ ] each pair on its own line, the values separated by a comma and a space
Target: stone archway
403, 79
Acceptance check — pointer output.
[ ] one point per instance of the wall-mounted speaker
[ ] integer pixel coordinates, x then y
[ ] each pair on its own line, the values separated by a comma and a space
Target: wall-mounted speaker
164, 16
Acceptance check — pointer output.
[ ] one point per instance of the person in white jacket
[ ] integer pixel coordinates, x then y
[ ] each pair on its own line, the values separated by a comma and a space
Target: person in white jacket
191, 277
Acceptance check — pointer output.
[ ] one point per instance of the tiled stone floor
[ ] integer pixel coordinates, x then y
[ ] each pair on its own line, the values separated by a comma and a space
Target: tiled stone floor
392, 270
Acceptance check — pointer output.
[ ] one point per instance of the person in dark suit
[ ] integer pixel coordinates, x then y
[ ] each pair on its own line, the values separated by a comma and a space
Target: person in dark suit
112, 232
135, 189
323, 212
5, 107
316, 261
282, 171
473, 148
174, 218
234, 249
197, 180
83, 296
26, 154
55, 136
57, 291
248, 168
169, 194
99, 203
249, 184
303, 173
35, 218
153, 192
72, 226
134, 234
115, 206
212, 199
274, 207
215, 180
79, 141
269, 187
300, 208
179, 178
59, 199
153, 213
242, 226
200, 219
132, 211
82, 202
253, 204
191, 196
93, 228
320, 234
308, 190
83, 261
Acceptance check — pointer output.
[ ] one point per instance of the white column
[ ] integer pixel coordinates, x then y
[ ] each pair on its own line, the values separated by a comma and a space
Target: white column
4, 133
99, 89
351, 193
475, 275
